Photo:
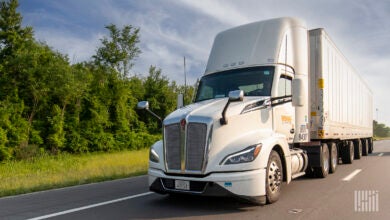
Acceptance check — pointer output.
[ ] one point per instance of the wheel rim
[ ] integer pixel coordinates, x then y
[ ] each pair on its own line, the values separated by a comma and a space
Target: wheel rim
326, 162
274, 177
351, 152
334, 157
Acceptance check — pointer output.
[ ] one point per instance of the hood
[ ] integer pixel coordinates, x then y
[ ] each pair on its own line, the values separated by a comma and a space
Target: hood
213, 109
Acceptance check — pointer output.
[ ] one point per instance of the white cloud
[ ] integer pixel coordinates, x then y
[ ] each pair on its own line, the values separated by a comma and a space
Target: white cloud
221, 10
77, 49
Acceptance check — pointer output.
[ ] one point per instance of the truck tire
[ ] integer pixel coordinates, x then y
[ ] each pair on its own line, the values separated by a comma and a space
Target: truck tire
370, 146
348, 153
274, 177
365, 147
358, 149
323, 170
334, 157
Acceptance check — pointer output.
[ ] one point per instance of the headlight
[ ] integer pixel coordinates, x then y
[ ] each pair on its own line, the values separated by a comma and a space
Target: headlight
244, 156
153, 156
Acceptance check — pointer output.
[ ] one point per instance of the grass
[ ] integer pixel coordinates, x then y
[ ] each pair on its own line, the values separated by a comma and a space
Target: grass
48, 172
381, 138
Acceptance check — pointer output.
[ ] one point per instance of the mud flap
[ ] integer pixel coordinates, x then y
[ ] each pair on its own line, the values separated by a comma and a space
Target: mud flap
313, 150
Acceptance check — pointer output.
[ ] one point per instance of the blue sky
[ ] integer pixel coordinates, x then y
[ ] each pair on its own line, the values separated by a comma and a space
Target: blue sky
171, 29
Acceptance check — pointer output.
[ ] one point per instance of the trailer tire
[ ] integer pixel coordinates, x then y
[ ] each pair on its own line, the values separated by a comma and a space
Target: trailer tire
348, 153
274, 177
334, 157
358, 149
323, 170
365, 147
370, 146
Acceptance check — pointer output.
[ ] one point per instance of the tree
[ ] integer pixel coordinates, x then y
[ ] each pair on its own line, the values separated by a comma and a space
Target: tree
48, 104
11, 32
381, 130
14, 41
161, 96
120, 49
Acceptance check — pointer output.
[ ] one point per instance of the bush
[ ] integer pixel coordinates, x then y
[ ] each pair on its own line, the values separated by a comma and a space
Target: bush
28, 152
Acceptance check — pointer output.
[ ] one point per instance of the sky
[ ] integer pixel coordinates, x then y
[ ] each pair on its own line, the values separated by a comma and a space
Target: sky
172, 29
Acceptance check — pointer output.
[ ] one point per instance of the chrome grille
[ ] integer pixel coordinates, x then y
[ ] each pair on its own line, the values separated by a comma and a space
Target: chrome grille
185, 148
196, 143
172, 141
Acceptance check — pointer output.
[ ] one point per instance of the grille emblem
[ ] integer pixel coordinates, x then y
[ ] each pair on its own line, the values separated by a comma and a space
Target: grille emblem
183, 124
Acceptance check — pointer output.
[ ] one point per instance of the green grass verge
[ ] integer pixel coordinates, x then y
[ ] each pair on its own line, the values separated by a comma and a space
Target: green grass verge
48, 172
381, 138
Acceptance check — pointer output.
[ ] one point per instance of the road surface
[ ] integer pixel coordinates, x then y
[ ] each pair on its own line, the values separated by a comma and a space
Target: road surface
339, 196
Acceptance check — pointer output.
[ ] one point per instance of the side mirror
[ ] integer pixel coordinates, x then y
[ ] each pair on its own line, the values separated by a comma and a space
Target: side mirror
236, 95
180, 101
297, 92
143, 105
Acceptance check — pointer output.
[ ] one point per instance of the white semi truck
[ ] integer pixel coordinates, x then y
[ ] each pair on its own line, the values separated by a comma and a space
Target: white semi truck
277, 101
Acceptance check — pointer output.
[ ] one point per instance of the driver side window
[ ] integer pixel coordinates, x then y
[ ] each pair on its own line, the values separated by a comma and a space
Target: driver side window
284, 86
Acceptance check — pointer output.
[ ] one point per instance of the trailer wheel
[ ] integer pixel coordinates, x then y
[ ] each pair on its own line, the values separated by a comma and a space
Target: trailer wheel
323, 170
348, 153
334, 157
365, 147
370, 146
358, 149
274, 177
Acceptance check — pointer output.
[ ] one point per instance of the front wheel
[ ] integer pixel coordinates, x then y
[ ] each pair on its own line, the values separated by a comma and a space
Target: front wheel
274, 177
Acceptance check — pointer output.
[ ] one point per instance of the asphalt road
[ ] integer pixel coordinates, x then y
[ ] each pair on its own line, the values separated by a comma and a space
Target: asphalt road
305, 198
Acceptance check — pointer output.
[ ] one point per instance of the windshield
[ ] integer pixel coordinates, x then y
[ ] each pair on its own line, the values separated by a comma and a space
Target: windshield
255, 81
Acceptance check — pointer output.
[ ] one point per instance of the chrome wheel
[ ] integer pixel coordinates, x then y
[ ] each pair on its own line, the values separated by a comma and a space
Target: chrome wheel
326, 162
274, 177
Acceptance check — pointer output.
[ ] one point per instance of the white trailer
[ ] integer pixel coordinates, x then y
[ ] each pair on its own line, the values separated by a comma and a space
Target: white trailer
276, 102
341, 101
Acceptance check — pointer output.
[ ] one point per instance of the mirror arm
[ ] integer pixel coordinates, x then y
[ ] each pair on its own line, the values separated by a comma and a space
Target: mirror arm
154, 114
224, 120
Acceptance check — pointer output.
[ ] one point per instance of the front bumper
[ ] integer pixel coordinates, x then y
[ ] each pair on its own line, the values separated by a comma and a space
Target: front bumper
248, 185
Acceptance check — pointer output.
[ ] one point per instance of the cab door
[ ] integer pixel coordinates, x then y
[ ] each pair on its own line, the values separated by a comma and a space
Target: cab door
283, 111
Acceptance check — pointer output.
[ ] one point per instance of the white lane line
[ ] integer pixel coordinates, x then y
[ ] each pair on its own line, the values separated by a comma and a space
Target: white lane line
381, 154
90, 206
352, 175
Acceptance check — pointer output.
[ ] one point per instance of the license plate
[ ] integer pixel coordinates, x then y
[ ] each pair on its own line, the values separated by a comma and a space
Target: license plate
182, 184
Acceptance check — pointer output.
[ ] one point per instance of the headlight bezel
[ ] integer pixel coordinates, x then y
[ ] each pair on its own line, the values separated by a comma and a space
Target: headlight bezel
246, 155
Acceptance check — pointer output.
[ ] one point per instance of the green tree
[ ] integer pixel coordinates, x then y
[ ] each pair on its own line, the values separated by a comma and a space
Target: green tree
12, 127
14, 41
381, 130
81, 78
120, 49
160, 93
48, 104
12, 34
